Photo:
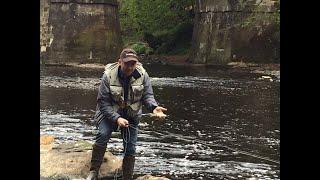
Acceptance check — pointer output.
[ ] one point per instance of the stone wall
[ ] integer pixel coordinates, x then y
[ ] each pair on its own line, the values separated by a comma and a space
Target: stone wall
45, 33
84, 31
234, 30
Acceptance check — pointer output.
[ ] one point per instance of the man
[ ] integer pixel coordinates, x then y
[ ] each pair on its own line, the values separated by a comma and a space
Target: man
125, 86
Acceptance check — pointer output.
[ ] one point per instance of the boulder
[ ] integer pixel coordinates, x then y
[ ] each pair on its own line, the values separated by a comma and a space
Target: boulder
74, 159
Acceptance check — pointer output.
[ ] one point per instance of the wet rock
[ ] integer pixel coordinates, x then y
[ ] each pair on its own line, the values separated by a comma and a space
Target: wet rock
149, 177
266, 77
238, 64
73, 159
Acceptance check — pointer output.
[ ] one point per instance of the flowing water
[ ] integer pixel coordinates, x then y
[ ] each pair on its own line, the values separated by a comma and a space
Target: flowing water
220, 124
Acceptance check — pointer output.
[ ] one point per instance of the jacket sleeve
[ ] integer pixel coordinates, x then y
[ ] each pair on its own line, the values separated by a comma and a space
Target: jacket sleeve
104, 101
148, 97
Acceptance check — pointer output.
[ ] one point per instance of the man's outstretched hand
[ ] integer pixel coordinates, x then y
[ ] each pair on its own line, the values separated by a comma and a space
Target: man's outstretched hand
159, 112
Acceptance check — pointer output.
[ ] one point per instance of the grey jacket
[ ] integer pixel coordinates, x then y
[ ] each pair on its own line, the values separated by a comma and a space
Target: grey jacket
105, 110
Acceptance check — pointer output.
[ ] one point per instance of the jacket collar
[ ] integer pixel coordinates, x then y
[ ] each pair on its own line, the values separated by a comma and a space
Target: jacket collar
135, 74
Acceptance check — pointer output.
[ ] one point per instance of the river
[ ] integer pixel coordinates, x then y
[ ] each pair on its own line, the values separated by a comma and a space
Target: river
220, 124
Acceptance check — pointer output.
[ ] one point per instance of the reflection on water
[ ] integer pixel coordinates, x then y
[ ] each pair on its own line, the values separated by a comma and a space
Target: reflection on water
214, 116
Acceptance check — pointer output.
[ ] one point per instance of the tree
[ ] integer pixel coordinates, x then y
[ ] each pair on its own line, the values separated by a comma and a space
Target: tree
154, 17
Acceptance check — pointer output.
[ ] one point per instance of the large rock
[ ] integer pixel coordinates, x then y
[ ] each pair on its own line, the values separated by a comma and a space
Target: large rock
73, 159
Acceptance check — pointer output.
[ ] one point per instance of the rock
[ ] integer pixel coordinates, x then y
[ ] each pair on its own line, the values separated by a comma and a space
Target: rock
266, 77
45, 148
83, 145
237, 64
149, 177
45, 140
46, 143
74, 159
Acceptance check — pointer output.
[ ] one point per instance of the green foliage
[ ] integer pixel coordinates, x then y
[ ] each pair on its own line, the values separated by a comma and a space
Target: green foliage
256, 18
128, 17
174, 41
140, 47
156, 22
162, 14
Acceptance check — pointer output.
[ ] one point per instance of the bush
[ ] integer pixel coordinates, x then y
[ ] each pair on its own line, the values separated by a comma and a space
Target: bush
174, 41
140, 48
153, 41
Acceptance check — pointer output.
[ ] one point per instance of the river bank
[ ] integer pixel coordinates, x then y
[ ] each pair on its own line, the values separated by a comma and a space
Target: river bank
265, 69
236, 66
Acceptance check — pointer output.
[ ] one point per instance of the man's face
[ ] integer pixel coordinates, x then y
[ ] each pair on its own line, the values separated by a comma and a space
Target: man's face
128, 67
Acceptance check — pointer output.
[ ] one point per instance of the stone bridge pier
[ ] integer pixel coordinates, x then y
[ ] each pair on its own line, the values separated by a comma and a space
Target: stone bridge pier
236, 30
81, 31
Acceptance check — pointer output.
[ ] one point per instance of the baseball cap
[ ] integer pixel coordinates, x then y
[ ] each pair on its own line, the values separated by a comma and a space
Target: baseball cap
128, 55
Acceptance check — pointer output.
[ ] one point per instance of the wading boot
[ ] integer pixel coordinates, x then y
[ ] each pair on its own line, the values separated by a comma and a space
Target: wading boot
127, 167
96, 161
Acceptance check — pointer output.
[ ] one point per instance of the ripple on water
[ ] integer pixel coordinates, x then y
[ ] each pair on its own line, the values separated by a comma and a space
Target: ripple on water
160, 157
63, 127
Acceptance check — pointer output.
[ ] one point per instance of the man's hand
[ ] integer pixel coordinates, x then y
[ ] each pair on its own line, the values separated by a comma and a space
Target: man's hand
158, 112
122, 122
